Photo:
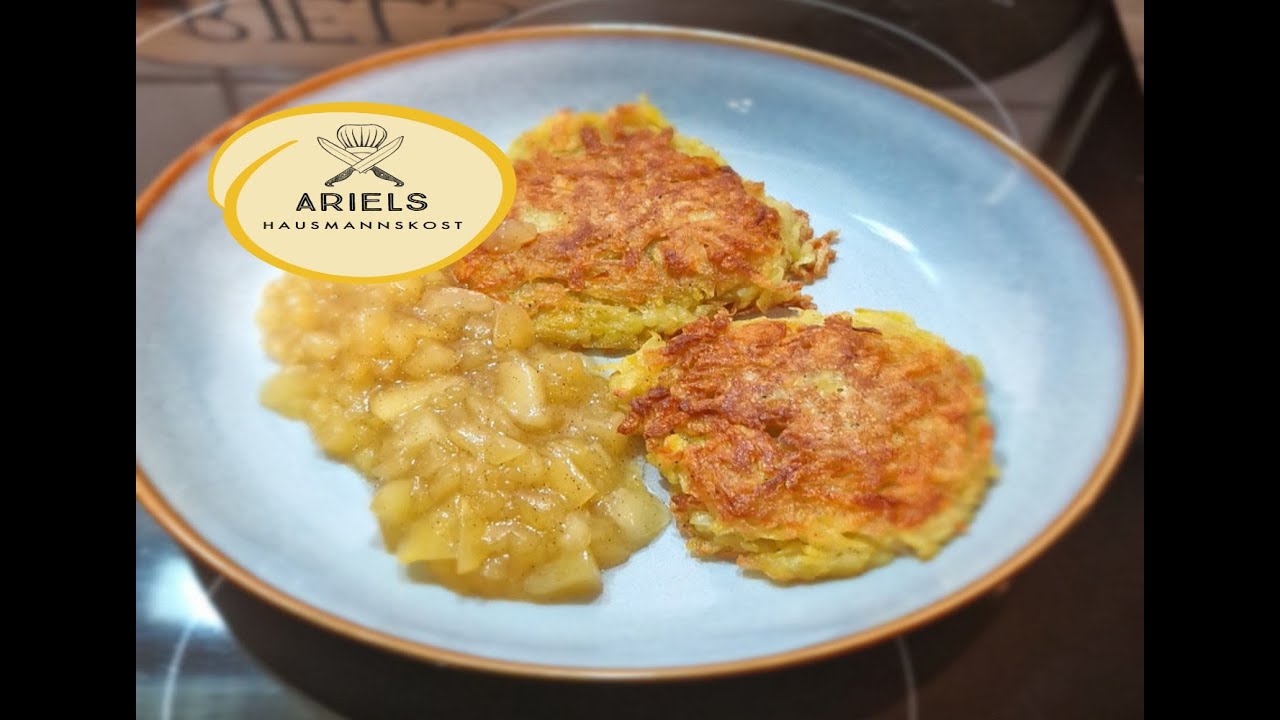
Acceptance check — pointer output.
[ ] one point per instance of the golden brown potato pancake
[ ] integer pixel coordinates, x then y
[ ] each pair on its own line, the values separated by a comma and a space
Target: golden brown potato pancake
622, 228
812, 447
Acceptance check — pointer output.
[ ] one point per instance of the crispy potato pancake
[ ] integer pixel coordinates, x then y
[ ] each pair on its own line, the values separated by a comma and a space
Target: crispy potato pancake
621, 228
812, 447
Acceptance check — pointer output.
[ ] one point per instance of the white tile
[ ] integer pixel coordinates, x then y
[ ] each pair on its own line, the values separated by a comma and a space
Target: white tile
248, 94
1131, 7
269, 74
152, 70
1133, 20
1135, 30
170, 117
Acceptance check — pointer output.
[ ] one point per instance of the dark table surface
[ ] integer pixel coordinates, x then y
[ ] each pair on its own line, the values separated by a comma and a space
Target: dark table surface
1063, 639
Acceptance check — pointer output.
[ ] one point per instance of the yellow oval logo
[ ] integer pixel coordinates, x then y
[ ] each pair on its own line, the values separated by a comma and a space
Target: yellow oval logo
360, 192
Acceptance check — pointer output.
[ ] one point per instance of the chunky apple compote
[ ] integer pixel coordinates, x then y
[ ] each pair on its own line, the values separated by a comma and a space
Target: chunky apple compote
495, 458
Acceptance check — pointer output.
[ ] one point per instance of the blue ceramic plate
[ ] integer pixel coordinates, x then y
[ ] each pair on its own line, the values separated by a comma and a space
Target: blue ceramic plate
938, 214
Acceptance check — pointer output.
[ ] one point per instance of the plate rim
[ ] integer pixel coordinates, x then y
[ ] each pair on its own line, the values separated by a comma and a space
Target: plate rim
1105, 253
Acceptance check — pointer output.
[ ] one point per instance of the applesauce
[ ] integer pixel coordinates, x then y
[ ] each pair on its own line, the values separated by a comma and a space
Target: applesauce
497, 466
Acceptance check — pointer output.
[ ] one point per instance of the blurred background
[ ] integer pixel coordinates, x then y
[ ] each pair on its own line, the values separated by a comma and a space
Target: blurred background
201, 62
1063, 640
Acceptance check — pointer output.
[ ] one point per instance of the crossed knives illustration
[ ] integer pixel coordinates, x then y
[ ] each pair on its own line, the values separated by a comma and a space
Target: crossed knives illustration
365, 147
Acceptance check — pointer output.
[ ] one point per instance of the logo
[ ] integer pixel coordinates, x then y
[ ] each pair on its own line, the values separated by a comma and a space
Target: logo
396, 192
362, 149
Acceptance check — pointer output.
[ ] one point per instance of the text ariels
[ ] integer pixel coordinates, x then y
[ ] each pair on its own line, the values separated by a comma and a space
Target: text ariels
364, 202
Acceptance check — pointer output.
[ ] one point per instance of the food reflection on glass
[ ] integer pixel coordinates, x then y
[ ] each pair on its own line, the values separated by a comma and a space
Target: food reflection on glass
803, 447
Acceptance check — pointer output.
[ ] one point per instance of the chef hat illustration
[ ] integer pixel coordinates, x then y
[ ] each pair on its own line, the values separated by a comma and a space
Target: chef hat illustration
362, 137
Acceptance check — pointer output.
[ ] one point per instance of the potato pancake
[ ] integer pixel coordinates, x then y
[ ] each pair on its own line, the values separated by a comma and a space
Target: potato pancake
812, 447
622, 228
